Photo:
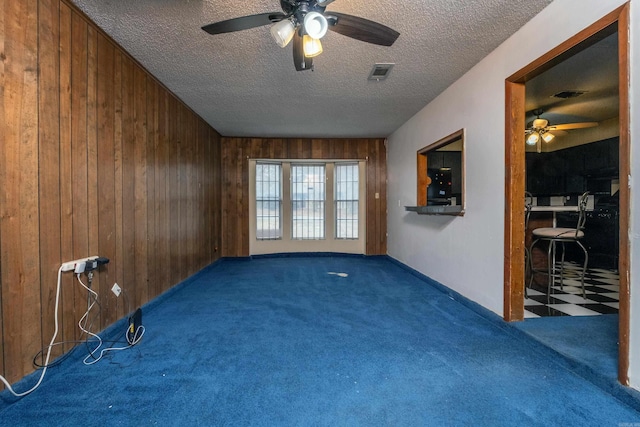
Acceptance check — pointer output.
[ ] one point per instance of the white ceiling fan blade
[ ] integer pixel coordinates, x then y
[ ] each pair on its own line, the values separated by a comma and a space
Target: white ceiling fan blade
559, 132
569, 126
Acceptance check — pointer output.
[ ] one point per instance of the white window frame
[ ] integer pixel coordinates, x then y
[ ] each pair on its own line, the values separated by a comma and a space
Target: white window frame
354, 199
300, 231
278, 201
330, 243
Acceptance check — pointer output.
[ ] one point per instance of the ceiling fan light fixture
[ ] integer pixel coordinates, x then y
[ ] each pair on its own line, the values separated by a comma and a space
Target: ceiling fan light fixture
283, 31
548, 136
311, 47
540, 123
315, 25
533, 138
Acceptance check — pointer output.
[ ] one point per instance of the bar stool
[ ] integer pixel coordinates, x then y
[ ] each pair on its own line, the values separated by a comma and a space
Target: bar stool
555, 235
528, 202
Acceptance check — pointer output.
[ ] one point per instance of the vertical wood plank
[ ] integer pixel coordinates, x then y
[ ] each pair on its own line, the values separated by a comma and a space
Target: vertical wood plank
49, 162
188, 193
106, 197
316, 149
162, 195
118, 187
244, 201
69, 326
79, 170
226, 196
372, 187
182, 188
207, 195
295, 149
92, 164
129, 261
352, 149
216, 170
19, 194
152, 144
238, 196
174, 191
202, 208
381, 201
279, 149
139, 173
255, 151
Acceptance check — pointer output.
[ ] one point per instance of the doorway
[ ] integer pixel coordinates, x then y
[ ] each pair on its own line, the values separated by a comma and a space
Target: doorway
515, 110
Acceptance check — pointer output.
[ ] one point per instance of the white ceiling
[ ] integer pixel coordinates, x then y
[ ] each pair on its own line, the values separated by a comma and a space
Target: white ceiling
243, 84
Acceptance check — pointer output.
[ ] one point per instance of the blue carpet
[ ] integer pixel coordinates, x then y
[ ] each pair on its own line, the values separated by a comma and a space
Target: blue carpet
591, 340
280, 341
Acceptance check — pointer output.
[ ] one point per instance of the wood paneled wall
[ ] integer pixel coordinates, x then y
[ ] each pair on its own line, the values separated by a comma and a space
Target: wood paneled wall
97, 158
235, 199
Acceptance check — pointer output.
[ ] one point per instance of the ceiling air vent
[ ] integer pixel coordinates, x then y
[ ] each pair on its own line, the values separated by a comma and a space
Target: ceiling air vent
380, 71
566, 94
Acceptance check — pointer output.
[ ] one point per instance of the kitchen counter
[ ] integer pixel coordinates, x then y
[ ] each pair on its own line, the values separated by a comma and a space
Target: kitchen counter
455, 210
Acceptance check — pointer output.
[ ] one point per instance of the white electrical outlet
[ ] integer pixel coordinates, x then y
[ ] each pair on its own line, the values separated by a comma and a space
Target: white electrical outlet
116, 289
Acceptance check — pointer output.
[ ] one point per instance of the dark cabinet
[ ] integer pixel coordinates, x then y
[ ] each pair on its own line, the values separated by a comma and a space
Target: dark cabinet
545, 174
434, 160
448, 159
573, 170
614, 154
453, 160
574, 178
596, 157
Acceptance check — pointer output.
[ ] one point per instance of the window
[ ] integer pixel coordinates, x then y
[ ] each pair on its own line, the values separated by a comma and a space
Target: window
308, 201
346, 200
307, 206
268, 201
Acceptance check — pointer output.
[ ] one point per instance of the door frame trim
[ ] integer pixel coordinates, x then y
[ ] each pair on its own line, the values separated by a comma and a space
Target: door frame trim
618, 20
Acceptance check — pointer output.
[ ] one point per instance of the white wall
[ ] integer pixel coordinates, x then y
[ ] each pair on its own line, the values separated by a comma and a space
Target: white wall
467, 253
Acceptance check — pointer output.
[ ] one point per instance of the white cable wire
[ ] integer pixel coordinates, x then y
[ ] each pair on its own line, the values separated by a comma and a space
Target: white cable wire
86, 316
135, 341
137, 336
53, 338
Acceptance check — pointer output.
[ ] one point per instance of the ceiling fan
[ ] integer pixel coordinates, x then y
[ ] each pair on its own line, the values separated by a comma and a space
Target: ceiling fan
541, 130
306, 22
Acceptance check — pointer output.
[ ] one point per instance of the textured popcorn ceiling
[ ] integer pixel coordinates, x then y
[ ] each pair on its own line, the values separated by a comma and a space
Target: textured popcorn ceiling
243, 84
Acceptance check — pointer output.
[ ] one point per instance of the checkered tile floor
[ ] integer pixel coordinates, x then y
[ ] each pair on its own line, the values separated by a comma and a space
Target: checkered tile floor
602, 295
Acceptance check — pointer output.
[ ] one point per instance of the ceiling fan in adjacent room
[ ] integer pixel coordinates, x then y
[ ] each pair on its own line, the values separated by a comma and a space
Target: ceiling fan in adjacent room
541, 130
306, 23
